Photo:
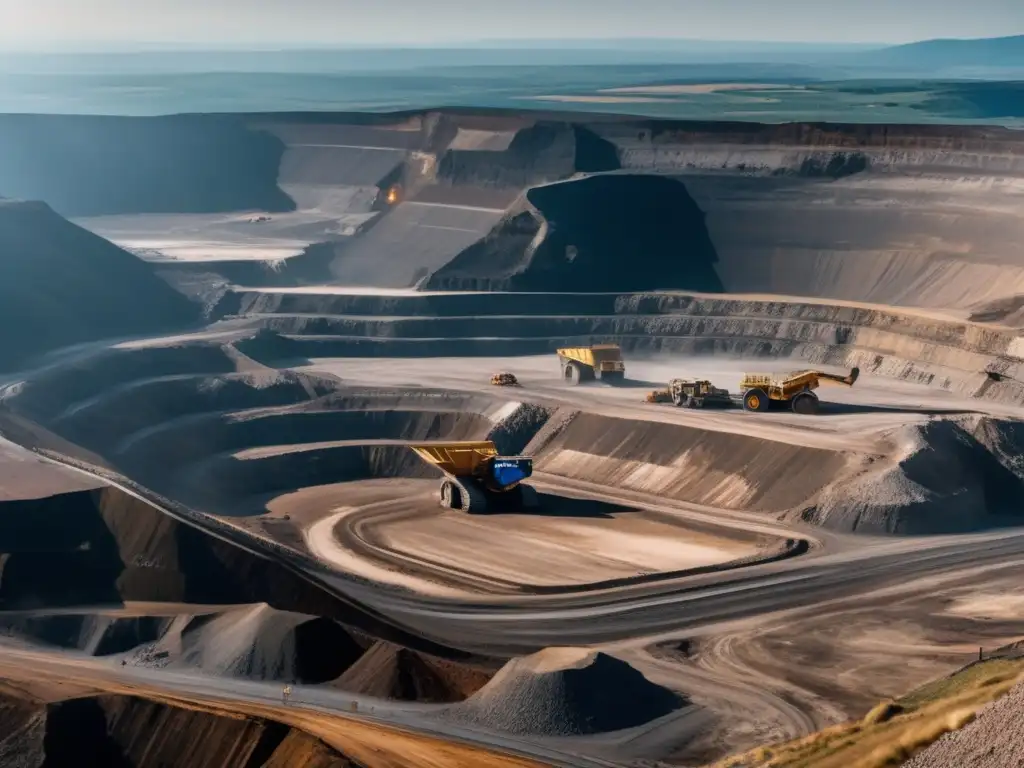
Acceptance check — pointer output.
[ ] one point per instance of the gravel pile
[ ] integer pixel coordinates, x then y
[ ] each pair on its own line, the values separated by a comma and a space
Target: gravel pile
565, 692
942, 480
994, 740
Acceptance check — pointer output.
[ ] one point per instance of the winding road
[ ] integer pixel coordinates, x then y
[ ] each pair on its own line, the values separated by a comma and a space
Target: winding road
839, 573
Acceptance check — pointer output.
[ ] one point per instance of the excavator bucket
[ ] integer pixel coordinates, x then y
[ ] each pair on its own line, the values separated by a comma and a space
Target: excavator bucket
854, 375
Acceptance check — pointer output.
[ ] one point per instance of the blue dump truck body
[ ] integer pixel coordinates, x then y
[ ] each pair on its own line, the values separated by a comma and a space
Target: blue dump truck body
507, 472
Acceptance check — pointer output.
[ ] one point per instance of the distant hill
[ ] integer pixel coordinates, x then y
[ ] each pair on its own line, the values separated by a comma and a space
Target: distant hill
62, 285
993, 52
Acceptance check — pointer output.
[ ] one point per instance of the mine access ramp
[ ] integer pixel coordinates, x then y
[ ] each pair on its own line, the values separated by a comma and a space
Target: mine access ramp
762, 391
478, 479
599, 361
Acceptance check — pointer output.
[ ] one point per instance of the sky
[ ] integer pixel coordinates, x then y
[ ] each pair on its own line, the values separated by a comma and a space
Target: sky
117, 24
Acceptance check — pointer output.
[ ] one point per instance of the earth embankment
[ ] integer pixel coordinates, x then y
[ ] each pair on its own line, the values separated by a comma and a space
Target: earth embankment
111, 731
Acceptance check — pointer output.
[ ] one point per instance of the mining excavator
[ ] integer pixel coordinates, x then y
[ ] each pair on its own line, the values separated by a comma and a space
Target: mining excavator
600, 361
690, 393
762, 391
477, 479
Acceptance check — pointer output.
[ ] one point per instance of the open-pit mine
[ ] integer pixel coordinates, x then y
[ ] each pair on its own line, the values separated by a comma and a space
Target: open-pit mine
261, 503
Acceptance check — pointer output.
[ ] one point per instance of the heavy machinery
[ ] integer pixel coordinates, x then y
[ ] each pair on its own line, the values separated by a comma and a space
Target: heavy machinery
762, 391
600, 361
477, 479
697, 393
658, 396
504, 379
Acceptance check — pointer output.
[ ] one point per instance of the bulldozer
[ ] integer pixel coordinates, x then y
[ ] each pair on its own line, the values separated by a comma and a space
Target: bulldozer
698, 393
477, 479
762, 391
600, 361
504, 379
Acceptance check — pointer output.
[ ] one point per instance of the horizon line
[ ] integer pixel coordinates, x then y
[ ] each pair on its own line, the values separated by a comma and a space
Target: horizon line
627, 42
72, 47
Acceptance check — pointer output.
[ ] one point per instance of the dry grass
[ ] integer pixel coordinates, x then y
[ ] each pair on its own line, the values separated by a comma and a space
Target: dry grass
882, 713
893, 731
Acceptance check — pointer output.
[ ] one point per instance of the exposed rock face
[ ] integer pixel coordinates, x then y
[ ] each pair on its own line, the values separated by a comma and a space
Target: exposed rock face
62, 285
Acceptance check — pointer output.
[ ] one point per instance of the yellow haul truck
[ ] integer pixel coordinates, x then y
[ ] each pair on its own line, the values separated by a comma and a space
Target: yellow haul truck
477, 478
600, 361
762, 391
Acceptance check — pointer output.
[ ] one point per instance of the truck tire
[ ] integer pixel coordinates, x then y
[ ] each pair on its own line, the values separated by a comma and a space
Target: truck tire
573, 374
451, 496
756, 400
475, 502
806, 404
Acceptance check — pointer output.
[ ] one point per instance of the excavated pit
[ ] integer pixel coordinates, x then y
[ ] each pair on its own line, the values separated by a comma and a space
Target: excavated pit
888, 248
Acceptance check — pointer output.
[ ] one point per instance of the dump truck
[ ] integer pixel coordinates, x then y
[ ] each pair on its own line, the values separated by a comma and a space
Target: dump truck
762, 391
600, 361
691, 393
477, 479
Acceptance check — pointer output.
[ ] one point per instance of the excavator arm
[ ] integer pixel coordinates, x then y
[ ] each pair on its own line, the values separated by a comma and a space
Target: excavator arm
849, 380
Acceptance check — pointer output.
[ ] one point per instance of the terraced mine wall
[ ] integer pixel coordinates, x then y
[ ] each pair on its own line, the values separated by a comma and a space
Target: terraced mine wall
193, 428
230, 443
964, 357
920, 216
542, 152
